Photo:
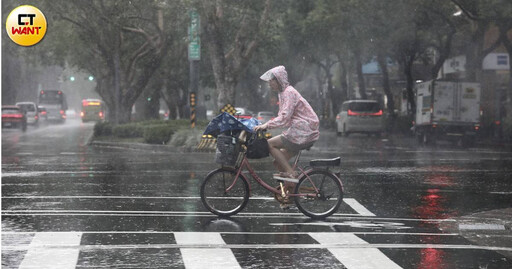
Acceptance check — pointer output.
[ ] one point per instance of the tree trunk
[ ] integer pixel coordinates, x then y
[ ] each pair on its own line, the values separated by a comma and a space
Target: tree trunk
385, 84
229, 60
504, 30
360, 77
408, 61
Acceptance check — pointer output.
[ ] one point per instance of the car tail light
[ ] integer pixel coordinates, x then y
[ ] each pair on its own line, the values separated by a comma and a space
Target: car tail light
16, 116
338, 117
82, 114
260, 118
101, 114
352, 113
43, 113
62, 112
36, 117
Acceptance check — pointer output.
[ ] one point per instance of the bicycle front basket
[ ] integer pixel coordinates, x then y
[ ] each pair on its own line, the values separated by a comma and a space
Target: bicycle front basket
228, 148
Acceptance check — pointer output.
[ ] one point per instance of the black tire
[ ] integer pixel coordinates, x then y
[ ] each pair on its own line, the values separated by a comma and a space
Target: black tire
345, 134
329, 196
217, 200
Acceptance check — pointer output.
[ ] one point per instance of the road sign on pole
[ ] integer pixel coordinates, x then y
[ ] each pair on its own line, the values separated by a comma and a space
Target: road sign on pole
194, 45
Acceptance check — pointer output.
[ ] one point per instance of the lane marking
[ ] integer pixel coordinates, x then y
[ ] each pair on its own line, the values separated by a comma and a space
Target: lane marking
199, 214
359, 208
52, 250
204, 250
235, 233
353, 203
348, 246
361, 255
481, 226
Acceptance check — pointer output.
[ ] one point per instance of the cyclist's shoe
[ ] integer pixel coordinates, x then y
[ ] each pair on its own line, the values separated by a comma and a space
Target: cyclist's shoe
286, 177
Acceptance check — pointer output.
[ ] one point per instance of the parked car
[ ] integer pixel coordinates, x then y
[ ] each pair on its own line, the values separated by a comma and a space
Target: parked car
243, 113
31, 112
360, 116
264, 116
14, 117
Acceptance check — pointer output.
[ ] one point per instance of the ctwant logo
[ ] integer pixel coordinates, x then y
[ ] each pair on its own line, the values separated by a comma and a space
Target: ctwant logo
26, 25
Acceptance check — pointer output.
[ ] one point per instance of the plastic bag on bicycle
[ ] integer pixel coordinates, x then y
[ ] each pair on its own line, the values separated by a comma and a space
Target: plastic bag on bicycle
228, 148
257, 146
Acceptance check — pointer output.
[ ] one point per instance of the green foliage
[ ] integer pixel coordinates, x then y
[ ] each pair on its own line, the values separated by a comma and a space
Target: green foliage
157, 134
129, 130
102, 129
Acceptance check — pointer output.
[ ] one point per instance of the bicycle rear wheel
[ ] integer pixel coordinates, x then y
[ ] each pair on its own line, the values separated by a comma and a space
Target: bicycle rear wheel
222, 195
324, 191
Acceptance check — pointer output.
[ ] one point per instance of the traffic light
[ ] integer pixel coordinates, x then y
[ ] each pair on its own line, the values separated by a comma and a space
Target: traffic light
192, 99
91, 78
72, 78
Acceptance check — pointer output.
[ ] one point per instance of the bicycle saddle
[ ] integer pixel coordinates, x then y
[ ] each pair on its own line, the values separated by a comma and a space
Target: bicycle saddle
325, 162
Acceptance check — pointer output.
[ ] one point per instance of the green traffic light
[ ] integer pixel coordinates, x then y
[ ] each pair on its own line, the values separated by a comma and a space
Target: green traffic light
91, 78
72, 78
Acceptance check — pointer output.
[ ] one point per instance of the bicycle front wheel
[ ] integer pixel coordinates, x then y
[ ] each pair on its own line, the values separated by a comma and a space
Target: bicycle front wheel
319, 194
222, 194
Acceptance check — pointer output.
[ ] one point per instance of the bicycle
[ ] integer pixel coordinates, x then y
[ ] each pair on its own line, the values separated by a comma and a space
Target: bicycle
318, 191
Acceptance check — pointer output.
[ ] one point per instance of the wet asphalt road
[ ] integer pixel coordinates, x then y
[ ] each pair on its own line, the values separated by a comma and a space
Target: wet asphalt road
66, 204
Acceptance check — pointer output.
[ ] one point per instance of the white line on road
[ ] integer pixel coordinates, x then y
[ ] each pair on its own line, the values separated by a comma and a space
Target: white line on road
197, 256
358, 256
359, 208
52, 250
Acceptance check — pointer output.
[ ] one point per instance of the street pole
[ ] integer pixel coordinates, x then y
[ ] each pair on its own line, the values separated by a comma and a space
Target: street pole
194, 55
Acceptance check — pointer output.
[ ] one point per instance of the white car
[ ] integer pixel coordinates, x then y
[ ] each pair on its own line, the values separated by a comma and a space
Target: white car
360, 116
31, 112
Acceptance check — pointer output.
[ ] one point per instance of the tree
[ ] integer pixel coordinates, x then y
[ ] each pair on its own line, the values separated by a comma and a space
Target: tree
122, 44
232, 31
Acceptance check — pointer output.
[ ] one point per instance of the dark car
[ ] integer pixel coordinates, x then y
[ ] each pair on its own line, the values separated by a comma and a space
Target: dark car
14, 117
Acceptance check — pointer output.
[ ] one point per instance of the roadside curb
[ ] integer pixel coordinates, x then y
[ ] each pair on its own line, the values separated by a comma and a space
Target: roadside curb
141, 146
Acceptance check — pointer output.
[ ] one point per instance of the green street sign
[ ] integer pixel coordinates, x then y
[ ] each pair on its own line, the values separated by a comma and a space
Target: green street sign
194, 51
194, 45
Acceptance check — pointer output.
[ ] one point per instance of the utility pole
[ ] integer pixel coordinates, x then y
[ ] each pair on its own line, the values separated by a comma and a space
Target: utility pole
194, 56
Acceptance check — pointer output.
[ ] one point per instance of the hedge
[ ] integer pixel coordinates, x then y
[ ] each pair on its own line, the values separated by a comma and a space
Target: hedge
153, 131
157, 134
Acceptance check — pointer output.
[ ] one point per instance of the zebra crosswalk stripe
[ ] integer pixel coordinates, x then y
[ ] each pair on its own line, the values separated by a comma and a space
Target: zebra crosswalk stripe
354, 258
212, 257
53, 250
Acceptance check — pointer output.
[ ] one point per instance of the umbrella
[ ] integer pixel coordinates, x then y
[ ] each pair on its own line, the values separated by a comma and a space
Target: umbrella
227, 122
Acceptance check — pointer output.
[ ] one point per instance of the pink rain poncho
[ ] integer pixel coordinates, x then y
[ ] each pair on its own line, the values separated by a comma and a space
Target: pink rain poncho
294, 111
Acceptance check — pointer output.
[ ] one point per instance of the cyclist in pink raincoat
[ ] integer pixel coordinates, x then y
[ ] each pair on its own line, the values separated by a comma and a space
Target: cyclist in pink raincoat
297, 115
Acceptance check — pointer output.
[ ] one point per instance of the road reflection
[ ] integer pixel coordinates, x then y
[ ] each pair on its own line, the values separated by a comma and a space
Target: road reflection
434, 204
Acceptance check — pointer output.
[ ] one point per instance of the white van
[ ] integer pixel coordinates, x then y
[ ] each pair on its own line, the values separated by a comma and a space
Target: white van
360, 116
31, 112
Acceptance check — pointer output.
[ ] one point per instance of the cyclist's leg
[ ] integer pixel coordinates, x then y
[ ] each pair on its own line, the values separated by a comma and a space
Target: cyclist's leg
280, 154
